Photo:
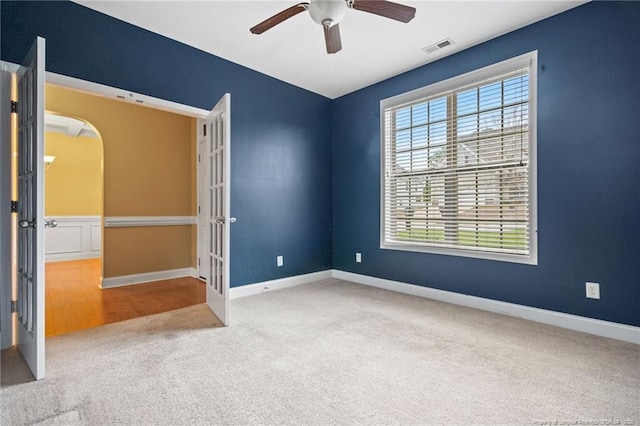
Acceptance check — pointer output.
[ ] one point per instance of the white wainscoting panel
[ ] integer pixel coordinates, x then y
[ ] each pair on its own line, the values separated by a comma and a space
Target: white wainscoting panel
96, 237
75, 237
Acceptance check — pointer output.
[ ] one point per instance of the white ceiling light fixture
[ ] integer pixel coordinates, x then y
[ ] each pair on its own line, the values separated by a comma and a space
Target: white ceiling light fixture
327, 12
48, 159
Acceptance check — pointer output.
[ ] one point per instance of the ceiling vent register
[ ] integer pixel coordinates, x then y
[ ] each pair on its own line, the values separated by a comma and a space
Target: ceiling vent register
437, 46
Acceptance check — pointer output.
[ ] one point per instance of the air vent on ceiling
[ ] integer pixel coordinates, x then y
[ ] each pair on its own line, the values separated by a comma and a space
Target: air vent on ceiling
437, 46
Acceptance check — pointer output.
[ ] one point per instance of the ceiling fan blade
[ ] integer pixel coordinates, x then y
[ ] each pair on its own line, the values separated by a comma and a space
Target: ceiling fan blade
278, 18
388, 9
332, 38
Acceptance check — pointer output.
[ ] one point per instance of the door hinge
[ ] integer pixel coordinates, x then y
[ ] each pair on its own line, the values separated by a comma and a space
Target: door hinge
198, 261
198, 158
14, 107
14, 306
198, 209
204, 129
14, 206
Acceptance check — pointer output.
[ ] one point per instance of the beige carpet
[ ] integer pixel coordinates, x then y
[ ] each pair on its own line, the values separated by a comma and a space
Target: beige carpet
327, 353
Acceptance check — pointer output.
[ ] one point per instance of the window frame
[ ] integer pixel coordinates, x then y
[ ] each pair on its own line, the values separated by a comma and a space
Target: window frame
527, 60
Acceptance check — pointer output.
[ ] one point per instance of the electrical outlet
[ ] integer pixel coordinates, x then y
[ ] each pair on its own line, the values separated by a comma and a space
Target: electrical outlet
280, 260
358, 257
593, 290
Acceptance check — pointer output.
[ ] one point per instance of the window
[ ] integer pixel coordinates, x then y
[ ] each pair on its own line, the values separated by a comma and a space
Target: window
458, 162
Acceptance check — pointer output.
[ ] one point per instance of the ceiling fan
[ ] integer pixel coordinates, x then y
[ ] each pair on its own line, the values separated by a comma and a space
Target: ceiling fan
328, 13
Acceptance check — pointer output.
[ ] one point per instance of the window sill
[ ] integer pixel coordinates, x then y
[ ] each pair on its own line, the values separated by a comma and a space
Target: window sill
531, 259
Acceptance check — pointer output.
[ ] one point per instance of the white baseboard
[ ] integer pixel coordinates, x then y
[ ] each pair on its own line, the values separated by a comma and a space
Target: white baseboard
147, 277
62, 257
597, 327
257, 288
608, 329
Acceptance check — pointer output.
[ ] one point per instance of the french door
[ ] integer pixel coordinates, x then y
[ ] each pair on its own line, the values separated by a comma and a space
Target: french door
215, 140
29, 304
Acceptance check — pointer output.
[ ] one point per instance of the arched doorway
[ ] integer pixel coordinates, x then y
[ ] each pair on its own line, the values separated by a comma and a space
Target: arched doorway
74, 154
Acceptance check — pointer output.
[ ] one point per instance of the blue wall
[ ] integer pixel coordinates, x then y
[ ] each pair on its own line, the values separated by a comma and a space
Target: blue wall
588, 170
281, 143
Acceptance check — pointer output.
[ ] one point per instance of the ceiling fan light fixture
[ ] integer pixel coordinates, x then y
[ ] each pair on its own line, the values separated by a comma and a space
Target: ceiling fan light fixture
327, 12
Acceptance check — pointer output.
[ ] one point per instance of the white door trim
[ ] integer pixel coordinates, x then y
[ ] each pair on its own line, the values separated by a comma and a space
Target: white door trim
201, 218
116, 93
7, 325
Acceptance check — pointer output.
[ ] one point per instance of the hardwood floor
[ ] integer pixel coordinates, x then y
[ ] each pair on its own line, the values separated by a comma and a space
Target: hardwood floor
74, 300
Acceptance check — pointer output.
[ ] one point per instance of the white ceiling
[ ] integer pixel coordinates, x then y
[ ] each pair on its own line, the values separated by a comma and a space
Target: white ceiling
374, 48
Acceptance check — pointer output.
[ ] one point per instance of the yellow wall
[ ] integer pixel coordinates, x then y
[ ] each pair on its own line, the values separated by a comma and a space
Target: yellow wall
149, 170
148, 249
73, 182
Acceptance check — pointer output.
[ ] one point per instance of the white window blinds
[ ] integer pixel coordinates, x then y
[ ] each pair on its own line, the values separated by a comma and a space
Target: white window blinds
457, 167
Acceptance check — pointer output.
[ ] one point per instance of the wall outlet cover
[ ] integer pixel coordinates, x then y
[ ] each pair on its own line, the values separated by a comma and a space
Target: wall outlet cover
593, 290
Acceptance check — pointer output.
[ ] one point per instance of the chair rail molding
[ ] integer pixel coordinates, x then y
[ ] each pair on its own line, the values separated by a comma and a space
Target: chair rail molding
129, 221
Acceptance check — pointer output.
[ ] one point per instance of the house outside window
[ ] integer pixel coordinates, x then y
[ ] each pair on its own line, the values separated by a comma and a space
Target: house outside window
459, 165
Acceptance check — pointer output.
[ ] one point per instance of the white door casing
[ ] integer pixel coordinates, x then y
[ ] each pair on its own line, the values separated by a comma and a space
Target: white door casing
7, 325
202, 213
30, 255
215, 133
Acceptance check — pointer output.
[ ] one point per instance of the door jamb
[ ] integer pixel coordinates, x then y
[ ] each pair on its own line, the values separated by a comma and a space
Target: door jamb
7, 323
200, 207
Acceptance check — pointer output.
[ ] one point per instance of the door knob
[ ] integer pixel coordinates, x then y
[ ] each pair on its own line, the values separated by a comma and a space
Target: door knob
220, 220
51, 223
26, 224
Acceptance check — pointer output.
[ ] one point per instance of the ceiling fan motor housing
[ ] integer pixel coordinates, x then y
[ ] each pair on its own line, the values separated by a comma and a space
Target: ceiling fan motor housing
327, 12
